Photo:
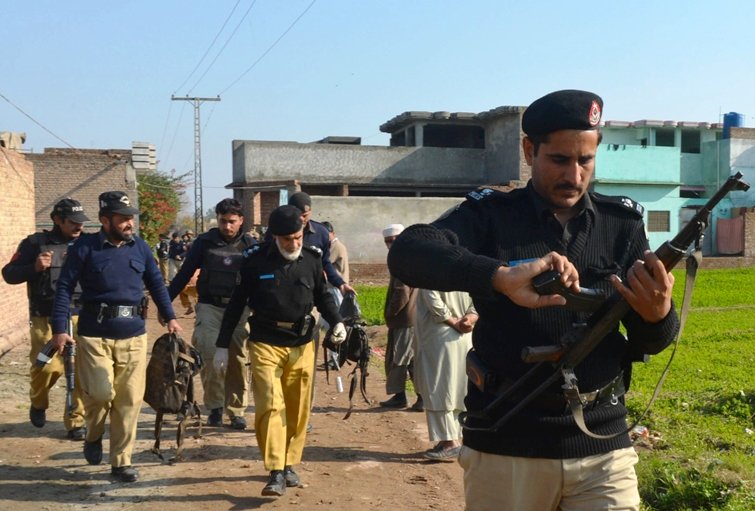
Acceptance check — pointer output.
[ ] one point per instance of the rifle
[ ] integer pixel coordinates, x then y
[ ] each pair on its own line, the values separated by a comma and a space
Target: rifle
69, 364
576, 344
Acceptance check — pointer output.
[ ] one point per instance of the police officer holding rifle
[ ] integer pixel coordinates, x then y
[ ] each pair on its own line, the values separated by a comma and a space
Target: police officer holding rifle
492, 246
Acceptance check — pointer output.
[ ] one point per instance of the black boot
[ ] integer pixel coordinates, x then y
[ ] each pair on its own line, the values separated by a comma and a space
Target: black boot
276, 484
397, 401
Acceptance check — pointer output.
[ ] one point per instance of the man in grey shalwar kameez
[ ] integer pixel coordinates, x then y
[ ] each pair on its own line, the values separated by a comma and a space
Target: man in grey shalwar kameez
443, 329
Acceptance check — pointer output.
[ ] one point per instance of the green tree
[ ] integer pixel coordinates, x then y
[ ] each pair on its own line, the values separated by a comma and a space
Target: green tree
159, 202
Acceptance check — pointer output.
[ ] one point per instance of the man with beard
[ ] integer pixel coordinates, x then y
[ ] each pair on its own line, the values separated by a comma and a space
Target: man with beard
280, 283
492, 246
113, 266
37, 262
217, 255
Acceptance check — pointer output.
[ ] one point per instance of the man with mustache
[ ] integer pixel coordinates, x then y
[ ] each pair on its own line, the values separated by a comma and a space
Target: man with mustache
281, 280
492, 245
113, 267
37, 262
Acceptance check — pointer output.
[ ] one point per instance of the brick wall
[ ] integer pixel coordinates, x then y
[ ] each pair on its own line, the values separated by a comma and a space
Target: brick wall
82, 174
17, 205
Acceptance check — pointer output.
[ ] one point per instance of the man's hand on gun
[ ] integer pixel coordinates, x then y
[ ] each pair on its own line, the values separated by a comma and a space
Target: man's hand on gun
516, 281
649, 288
60, 341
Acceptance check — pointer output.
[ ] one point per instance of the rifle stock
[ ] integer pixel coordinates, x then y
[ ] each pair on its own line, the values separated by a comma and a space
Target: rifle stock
579, 342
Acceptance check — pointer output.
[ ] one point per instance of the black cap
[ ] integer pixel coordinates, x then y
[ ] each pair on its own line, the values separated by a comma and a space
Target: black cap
301, 200
285, 220
116, 202
71, 209
563, 110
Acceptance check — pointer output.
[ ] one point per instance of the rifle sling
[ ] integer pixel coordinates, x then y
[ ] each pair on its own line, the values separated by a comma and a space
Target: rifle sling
575, 404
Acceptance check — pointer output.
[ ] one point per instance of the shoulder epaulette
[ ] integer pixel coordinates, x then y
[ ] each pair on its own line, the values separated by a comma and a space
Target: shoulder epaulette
485, 193
313, 248
247, 252
624, 203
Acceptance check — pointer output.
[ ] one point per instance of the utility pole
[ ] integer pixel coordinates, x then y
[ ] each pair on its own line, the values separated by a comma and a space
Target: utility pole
198, 207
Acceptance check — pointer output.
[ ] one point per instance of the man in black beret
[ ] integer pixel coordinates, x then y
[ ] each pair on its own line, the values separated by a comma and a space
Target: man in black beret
281, 280
492, 246
37, 262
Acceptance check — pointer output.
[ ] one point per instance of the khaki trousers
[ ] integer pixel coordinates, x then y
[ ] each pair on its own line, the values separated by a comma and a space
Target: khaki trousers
113, 374
163, 265
229, 387
44, 378
505, 483
282, 393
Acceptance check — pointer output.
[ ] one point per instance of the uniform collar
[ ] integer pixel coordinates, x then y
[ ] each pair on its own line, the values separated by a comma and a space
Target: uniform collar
104, 242
543, 209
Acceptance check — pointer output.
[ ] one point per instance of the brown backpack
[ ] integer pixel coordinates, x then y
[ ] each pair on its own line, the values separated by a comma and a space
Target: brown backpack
170, 386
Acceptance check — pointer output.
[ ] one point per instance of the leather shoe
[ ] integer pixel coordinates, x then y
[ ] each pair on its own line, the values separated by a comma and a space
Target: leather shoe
215, 418
439, 453
291, 477
276, 484
93, 451
77, 434
37, 417
125, 474
419, 405
238, 422
397, 401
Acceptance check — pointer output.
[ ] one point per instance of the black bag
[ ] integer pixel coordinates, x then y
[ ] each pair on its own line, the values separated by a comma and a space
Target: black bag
170, 386
355, 349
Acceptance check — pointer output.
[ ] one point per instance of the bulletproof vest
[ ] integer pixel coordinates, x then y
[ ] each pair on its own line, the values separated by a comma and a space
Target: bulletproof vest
221, 262
43, 289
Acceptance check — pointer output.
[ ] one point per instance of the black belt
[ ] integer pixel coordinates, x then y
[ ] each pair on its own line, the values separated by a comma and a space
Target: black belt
555, 403
219, 301
105, 311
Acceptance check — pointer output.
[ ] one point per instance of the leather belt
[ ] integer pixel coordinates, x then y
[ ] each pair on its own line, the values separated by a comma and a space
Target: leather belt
220, 301
105, 311
557, 403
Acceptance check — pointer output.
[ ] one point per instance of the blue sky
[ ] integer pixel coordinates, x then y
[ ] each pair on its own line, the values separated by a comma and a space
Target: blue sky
101, 74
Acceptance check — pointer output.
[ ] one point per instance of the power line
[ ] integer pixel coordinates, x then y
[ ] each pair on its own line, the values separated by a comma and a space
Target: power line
34, 120
224, 45
270, 48
211, 45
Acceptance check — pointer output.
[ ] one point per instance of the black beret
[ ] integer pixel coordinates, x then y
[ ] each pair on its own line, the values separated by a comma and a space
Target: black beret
301, 200
116, 202
71, 209
563, 110
285, 220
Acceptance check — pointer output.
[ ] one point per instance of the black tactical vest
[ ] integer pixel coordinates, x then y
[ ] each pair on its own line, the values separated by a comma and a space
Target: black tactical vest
221, 262
42, 289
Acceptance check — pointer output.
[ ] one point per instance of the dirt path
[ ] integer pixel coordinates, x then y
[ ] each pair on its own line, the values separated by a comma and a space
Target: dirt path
370, 461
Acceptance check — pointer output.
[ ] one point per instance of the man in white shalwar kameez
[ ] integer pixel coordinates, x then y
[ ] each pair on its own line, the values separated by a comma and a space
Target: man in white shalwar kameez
443, 331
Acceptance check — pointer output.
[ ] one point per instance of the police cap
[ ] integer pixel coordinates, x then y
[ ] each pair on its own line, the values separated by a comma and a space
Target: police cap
301, 200
116, 202
563, 110
285, 220
71, 209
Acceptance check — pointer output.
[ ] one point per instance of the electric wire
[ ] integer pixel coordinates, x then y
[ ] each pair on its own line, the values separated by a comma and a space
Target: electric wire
34, 120
207, 52
224, 45
269, 48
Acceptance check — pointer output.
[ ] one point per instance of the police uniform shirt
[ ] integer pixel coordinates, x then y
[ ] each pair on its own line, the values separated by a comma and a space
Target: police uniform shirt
113, 276
40, 285
316, 236
195, 260
278, 290
463, 250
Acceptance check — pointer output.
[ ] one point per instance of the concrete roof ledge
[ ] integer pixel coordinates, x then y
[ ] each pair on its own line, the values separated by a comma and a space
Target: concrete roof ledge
441, 115
669, 124
616, 124
501, 111
648, 123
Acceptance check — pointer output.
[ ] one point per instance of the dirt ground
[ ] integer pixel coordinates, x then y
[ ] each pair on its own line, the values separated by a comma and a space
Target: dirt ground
370, 461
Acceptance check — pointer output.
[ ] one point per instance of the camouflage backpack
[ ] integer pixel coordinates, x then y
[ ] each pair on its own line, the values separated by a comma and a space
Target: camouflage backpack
170, 386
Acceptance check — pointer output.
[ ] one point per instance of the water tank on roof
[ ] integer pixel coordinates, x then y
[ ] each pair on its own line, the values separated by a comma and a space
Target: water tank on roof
733, 120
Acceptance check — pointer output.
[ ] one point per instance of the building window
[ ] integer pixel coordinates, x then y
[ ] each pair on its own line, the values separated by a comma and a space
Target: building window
664, 137
691, 141
659, 221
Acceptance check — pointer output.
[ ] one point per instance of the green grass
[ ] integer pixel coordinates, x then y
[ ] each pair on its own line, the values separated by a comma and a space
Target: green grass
705, 416
702, 456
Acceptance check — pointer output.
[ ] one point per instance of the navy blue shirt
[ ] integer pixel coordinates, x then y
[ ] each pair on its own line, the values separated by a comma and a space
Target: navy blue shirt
111, 275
